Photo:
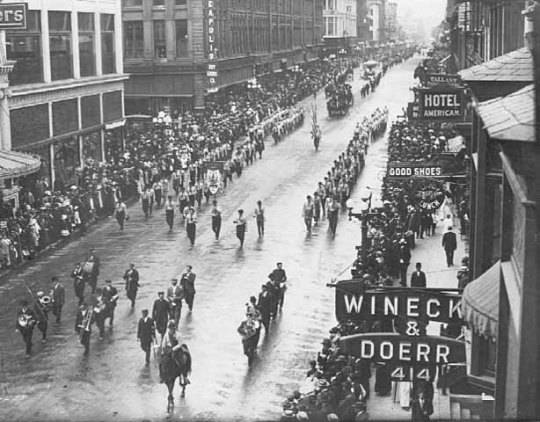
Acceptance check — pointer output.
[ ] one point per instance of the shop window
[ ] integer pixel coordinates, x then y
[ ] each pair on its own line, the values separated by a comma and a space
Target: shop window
87, 57
108, 59
133, 39
113, 144
65, 117
90, 111
60, 45
91, 143
24, 46
160, 44
66, 161
112, 106
182, 38
29, 125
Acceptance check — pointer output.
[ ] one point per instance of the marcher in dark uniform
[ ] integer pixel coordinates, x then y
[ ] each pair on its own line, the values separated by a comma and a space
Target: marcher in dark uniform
191, 225
78, 282
216, 218
132, 283
241, 224
280, 277
26, 321
160, 313
42, 312
169, 211
83, 326
58, 295
110, 296
146, 333
449, 243
188, 285
259, 217
265, 306
93, 275
404, 255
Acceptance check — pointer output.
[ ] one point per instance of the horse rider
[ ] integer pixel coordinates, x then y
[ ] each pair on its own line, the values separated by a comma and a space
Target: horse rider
110, 295
172, 345
26, 321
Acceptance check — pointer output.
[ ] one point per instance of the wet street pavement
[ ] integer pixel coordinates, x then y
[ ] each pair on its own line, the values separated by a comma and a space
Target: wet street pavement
58, 383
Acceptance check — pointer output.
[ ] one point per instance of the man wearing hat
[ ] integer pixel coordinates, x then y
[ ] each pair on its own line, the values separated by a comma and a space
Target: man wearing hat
110, 296
404, 255
175, 296
82, 317
58, 296
26, 321
265, 306
323, 357
78, 282
188, 285
160, 313
279, 277
449, 244
92, 263
42, 313
146, 333
131, 276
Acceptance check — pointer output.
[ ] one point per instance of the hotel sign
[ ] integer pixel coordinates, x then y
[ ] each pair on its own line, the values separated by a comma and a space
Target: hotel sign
13, 16
441, 104
354, 304
397, 348
211, 71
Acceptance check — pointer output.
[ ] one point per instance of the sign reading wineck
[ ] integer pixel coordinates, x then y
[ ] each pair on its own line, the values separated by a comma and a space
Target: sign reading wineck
441, 105
13, 16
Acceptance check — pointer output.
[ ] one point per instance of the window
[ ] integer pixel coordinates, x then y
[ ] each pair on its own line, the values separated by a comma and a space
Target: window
87, 58
181, 2
60, 45
25, 47
160, 45
133, 39
108, 59
159, 3
330, 25
182, 38
132, 3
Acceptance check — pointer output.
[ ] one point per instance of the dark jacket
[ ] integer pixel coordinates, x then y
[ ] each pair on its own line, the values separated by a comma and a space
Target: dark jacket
188, 283
265, 303
59, 295
132, 283
449, 241
109, 293
160, 314
146, 331
418, 280
421, 412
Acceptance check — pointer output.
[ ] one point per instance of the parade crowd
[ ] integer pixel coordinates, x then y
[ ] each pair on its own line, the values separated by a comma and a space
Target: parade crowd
337, 386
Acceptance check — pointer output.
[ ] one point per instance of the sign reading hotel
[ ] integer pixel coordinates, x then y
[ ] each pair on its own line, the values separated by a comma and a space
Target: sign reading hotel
354, 304
441, 104
397, 348
400, 171
13, 15
211, 70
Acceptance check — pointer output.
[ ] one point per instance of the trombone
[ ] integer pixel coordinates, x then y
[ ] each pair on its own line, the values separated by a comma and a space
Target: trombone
85, 324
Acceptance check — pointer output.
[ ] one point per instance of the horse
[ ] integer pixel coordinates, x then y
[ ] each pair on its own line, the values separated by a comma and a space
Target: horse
173, 367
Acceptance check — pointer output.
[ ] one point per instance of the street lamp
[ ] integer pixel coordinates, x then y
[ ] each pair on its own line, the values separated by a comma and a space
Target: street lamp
362, 213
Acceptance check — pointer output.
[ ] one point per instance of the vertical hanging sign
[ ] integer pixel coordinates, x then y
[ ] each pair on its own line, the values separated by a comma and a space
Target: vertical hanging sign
211, 70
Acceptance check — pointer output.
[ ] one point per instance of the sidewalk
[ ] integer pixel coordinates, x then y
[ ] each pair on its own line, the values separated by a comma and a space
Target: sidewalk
430, 253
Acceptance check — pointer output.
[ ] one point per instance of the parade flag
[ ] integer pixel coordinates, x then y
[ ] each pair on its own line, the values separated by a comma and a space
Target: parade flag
214, 175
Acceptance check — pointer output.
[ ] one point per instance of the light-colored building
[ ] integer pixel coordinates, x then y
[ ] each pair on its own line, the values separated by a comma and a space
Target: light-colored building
392, 20
67, 85
339, 28
376, 12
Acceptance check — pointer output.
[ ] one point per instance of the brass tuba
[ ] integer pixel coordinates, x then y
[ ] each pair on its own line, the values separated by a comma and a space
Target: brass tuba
25, 320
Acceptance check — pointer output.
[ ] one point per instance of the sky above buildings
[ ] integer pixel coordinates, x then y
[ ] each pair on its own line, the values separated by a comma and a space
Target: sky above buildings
421, 15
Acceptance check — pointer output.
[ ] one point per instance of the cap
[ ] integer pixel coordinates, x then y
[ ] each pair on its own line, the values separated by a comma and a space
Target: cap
327, 341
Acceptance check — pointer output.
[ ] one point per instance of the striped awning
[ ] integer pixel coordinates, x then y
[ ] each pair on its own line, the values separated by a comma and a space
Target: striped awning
480, 302
16, 164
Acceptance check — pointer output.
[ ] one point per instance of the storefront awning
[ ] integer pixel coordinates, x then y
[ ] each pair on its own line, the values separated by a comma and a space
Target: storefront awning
510, 118
16, 164
480, 302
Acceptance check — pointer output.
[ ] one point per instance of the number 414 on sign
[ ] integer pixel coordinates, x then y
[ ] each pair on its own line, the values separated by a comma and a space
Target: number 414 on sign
411, 373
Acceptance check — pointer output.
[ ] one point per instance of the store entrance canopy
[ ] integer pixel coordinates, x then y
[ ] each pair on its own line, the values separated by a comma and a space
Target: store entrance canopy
480, 302
16, 164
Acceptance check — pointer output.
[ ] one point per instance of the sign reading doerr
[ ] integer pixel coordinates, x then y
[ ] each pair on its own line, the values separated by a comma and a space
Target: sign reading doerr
354, 304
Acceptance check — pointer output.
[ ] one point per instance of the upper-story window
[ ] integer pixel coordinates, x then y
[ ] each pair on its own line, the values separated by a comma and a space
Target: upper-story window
160, 43
87, 57
108, 50
60, 45
24, 46
133, 39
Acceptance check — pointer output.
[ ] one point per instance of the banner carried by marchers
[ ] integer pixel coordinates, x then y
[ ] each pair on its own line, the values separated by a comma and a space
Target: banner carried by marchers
213, 175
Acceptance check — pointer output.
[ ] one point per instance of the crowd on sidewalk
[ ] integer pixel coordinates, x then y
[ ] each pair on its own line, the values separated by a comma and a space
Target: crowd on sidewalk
338, 385
171, 150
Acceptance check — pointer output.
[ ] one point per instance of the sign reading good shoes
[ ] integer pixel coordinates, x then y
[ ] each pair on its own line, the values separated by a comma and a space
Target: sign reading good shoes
441, 104
413, 171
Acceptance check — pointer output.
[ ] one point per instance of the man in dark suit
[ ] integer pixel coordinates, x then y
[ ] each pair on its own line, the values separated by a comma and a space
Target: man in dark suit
146, 333
420, 408
418, 278
78, 282
58, 297
264, 305
188, 285
175, 296
132, 283
94, 273
160, 313
110, 296
449, 243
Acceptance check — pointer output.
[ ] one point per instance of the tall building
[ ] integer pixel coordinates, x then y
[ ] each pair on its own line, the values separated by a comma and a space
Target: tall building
364, 21
391, 21
376, 12
339, 23
178, 51
67, 84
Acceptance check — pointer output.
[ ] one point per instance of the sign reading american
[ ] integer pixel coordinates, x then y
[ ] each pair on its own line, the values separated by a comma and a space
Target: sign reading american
441, 104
